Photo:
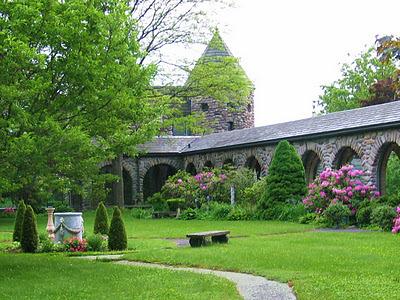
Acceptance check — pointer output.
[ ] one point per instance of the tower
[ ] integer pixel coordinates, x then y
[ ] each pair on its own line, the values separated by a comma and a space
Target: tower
220, 116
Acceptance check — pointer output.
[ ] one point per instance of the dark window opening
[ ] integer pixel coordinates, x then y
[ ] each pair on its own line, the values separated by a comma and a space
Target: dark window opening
230, 126
204, 106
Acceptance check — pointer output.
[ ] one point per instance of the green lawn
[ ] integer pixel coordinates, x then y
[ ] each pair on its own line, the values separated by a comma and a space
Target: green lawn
42, 276
319, 264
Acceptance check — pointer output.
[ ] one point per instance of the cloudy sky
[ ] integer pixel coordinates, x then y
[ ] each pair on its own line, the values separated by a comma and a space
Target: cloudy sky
290, 48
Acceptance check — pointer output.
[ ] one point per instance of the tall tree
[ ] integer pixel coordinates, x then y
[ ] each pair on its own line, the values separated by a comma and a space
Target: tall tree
72, 94
356, 82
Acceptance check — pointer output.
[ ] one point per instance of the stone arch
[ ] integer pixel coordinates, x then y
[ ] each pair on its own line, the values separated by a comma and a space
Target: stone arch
347, 155
191, 169
155, 178
381, 152
253, 164
312, 163
147, 163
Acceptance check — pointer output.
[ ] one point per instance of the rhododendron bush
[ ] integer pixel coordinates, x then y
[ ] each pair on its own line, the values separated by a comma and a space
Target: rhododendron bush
210, 185
396, 222
343, 186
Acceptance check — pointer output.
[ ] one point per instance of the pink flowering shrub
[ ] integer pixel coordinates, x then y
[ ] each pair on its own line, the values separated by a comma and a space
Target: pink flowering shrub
210, 185
396, 221
341, 186
75, 244
196, 188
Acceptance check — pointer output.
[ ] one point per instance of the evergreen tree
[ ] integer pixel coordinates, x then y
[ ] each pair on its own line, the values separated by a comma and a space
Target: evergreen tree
19, 219
29, 237
117, 239
101, 220
286, 178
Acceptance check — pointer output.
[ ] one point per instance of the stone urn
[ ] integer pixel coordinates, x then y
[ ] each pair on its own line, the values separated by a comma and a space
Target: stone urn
67, 225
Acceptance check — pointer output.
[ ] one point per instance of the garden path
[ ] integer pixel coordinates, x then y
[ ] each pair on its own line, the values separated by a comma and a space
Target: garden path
250, 287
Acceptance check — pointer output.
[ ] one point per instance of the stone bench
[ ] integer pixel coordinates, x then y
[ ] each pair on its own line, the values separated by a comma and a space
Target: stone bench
198, 239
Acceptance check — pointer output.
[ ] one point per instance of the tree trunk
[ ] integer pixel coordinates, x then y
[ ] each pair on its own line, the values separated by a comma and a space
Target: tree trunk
118, 186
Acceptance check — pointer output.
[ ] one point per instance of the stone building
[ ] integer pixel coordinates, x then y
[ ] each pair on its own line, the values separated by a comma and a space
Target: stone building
217, 116
364, 137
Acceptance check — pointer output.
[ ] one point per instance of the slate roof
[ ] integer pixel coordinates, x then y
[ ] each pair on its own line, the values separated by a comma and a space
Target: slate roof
167, 144
330, 124
216, 47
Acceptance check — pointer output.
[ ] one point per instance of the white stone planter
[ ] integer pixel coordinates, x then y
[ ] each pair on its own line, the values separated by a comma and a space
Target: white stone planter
67, 225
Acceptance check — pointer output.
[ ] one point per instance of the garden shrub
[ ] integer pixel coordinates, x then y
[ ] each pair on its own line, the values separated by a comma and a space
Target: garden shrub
391, 200
117, 239
75, 244
175, 203
308, 218
141, 213
45, 243
291, 212
285, 180
337, 214
396, 221
363, 216
237, 213
252, 194
343, 186
61, 206
188, 214
383, 216
158, 202
219, 211
19, 219
29, 236
101, 220
97, 243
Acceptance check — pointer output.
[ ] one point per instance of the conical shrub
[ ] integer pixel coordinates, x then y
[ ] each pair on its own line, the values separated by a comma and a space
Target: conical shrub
117, 239
285, 182
29, 237
19, 218
101, 220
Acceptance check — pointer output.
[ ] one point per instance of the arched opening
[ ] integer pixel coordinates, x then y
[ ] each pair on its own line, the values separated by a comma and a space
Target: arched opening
191, 169
128, 196
253, 164
155, 178
312, 165
229, 162
208, 164
347, 155
388, 173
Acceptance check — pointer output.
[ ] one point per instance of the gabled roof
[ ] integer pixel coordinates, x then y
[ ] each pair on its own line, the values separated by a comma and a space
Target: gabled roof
356, 120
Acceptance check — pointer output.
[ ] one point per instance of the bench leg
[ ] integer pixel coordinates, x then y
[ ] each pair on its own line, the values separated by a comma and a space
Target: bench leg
197, 241
222, 239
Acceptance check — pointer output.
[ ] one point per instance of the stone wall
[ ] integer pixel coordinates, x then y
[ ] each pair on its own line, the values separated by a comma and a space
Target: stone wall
372, 147
219, 117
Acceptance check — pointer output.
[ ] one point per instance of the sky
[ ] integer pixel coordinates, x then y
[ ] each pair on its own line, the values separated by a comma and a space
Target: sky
290, 48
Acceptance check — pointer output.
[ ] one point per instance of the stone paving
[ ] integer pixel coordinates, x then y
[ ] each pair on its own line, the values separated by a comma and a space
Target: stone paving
250, 287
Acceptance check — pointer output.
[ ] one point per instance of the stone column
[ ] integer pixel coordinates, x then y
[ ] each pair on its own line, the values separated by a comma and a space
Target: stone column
50, 224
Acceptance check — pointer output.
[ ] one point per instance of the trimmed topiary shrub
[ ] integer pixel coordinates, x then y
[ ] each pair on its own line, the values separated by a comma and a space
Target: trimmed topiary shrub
19, 219
101, 220
383, 216
117, 239
29, 237
286, 178
337, 214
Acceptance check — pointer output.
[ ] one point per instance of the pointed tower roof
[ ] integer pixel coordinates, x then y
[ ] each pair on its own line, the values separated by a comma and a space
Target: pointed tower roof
216, 47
